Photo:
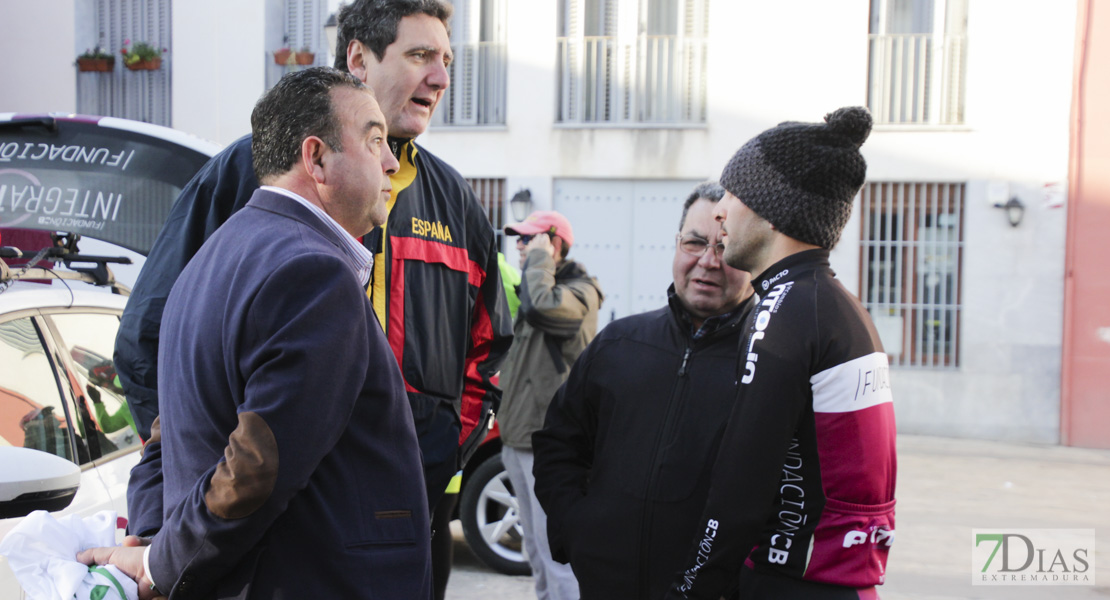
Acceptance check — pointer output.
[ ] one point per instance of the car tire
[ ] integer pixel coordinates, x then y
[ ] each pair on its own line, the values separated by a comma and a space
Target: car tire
491, 518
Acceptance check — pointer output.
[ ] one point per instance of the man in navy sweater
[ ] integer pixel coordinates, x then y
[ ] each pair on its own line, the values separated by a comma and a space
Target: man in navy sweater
289, 469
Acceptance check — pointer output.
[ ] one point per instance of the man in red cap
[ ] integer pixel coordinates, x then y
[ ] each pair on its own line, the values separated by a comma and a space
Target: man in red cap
559, 235
557, 318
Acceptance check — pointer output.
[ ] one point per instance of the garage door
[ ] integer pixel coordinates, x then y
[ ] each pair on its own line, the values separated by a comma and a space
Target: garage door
624, 234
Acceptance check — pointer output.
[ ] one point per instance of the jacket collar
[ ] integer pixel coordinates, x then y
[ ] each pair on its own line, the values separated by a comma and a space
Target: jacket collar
790, 268
711, 326
402, 146
359, 259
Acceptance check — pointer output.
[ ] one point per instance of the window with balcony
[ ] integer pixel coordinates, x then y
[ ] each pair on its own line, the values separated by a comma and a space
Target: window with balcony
918, 54
632, 61
911, 251
142, 95
476, 95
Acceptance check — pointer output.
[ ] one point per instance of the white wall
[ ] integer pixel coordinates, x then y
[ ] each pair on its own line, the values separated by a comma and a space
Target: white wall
38, 74
220, 58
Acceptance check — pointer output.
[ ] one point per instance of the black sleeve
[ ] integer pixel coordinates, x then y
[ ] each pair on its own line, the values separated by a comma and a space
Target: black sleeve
564, 450
144, 492
219, 189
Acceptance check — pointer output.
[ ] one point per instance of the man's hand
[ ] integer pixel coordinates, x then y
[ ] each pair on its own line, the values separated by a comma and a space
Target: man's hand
127, 558
541, 241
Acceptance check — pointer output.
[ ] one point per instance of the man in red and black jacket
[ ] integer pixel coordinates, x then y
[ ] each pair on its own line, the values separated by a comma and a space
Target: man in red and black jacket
436, 288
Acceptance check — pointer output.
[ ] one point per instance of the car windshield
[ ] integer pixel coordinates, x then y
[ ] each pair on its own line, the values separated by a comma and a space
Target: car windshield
108, 179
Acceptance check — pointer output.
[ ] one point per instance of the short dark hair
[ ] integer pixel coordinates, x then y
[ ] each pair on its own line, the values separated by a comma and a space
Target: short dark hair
565, 251
299, 106
709, 190
374, 23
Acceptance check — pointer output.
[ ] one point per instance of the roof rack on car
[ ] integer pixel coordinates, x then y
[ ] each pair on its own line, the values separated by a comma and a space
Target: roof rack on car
64, 250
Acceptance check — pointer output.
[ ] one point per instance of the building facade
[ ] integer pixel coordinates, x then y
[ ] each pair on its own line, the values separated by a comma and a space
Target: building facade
611, 110
615, 108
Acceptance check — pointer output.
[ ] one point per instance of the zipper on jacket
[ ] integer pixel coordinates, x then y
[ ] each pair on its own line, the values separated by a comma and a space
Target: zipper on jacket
685, 357
678, 391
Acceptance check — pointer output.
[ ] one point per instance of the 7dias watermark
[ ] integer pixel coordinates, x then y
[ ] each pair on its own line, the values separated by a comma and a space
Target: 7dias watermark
1033, 557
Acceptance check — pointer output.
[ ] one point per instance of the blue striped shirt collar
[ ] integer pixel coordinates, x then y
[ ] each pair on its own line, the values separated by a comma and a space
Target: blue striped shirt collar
358, 257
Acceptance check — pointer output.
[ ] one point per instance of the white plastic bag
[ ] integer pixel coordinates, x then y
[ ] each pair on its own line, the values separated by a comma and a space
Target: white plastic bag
42, 552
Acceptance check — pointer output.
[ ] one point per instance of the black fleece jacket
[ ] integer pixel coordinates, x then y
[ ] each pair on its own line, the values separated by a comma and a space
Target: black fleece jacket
622, 463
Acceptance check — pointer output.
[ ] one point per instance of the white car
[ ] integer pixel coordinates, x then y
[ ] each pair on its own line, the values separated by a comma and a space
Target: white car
51, 342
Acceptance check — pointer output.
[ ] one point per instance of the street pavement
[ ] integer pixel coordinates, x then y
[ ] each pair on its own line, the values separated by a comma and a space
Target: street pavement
946, 488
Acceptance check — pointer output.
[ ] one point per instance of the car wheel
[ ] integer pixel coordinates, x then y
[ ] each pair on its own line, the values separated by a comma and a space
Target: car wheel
491, 519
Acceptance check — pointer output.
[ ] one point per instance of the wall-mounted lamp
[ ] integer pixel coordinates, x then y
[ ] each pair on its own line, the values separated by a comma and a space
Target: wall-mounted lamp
331, 32
1015, 210
521, 204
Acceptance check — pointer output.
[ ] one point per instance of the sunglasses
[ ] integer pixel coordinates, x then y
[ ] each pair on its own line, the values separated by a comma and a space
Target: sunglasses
525, 239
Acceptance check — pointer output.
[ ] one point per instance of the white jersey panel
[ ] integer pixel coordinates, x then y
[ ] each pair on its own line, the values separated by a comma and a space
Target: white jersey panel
855, 385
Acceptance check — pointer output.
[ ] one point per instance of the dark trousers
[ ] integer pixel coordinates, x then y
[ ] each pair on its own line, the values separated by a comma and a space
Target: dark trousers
443, 545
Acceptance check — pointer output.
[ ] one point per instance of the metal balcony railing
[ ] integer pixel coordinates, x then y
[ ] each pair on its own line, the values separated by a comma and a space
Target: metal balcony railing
652, 79
476, 95
917, 79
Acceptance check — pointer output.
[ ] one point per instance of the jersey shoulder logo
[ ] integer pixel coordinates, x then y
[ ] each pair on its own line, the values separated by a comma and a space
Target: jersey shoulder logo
854, 385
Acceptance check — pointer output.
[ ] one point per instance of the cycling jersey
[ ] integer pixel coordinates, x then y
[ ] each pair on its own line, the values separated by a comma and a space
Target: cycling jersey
803, 485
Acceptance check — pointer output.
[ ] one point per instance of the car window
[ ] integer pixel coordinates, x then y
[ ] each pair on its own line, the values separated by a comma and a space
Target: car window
89, 339
31, 411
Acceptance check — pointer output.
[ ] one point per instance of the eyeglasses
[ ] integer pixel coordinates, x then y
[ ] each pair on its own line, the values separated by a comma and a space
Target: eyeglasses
695, 246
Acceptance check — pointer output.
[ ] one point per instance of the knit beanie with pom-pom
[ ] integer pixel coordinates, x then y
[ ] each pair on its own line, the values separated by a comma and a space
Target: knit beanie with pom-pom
802, 177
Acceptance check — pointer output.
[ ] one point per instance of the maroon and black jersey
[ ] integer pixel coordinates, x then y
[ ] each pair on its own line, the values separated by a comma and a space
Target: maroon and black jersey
803, 484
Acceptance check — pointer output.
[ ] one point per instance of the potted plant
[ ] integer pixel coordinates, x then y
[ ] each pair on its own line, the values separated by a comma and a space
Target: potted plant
305, 56
142, 56
97, 59
283, 56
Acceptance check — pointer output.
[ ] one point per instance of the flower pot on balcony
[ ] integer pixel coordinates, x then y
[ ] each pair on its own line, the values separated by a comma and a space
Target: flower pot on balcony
306, 58
283, 56
152, 64
86, 65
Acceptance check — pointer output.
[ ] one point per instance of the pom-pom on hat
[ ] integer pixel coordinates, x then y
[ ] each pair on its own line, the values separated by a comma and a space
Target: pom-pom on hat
802, 177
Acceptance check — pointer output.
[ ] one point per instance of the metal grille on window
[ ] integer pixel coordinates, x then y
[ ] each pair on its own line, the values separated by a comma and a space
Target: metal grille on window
491, 195
476, 95
140, 95
632, 61
911, 252
918, 61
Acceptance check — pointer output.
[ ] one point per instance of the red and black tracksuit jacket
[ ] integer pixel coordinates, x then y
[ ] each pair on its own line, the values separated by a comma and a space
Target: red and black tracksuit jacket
436, 247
